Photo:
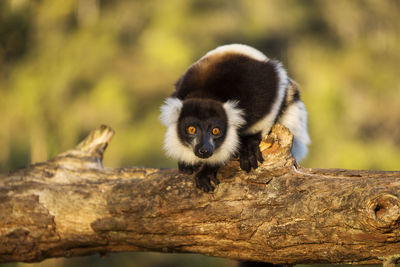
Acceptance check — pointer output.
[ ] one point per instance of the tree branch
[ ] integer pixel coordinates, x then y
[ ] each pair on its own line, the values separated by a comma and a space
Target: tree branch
280, 213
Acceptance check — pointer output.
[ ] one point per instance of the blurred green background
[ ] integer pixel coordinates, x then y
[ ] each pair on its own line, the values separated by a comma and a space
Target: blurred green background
68, 66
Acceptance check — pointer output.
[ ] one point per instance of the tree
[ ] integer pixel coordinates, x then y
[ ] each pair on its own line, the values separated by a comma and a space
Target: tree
280, 213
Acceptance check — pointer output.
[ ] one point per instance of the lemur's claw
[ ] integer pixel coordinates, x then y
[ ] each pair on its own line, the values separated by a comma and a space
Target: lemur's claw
204, 184
203, 181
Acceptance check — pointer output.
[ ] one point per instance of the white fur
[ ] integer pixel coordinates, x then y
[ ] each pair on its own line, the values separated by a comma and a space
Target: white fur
239, 49
177, 150
264, 125
235, 115
295, 119
170, 110
231, 143
174, 147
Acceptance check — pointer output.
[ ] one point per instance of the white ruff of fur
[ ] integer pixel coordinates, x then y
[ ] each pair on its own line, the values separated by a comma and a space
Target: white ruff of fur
238, 49
265, 124
170, 111
295, 119
177, 150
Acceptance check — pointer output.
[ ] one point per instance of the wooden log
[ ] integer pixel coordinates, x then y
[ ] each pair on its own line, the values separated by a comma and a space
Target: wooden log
280, 213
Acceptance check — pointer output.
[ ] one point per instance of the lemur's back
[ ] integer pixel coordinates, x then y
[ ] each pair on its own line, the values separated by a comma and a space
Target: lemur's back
233, 76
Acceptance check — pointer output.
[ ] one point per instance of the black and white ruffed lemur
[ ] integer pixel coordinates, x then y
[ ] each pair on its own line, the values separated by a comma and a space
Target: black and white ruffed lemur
223, 105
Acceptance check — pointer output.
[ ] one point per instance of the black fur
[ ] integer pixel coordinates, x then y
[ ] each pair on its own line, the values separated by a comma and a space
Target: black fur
187, 168
250, 152
233, 77
291, 96
282, 108
204, 114
208, 84
205, 176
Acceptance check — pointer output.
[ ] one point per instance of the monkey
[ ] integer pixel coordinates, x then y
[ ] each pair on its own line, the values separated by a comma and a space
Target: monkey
223, 105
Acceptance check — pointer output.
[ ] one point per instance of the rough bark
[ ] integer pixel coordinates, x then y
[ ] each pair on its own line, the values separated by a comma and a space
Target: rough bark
280, 213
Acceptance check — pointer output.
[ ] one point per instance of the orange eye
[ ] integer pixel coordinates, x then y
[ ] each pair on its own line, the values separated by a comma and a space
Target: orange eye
215, 131
191, 129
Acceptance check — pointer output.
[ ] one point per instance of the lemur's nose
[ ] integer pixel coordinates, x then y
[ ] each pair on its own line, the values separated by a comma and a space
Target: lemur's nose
204, 152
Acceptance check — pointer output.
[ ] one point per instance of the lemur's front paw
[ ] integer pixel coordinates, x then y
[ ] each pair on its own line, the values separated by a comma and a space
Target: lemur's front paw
187, 168
250, 153
203, 181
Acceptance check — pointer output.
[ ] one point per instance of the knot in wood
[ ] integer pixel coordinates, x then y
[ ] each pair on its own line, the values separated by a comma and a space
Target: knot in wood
276, 146
384, 211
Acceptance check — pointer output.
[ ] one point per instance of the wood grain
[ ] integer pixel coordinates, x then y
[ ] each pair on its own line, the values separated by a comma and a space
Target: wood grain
280, 213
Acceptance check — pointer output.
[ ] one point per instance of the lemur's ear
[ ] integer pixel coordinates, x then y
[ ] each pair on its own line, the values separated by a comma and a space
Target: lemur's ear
234, 113
170, 111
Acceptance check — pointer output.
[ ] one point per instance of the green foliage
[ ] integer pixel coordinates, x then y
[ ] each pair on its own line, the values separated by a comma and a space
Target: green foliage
68, 66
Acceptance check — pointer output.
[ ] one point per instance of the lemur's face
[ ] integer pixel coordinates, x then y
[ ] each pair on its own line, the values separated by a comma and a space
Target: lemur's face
201, 130
202, 127
203, 136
